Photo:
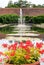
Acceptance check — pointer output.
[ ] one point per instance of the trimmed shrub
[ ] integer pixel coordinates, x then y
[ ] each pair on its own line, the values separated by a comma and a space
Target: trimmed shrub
38, 19
28, 19
13, 18
10, 18
35, 20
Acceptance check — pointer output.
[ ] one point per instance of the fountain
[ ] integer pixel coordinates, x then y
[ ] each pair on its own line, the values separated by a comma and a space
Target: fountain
22, 28
21, 24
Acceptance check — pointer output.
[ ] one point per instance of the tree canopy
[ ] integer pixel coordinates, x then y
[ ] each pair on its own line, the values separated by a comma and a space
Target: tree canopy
18, 4
22, 3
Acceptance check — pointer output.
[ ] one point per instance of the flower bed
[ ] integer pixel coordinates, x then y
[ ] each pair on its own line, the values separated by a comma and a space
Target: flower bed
24, 53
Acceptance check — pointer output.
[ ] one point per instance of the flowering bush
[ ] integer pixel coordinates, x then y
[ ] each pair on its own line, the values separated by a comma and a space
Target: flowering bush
22, 53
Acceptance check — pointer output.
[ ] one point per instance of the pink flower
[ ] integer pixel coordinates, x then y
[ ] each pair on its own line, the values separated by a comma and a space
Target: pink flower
42, 59
0, 59
7, 57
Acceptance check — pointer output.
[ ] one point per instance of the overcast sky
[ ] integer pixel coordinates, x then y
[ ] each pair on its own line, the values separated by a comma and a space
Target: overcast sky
4, 3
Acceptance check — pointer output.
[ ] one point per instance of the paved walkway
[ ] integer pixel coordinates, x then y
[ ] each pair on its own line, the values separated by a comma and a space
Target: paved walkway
23, 34
4, 25
40, 25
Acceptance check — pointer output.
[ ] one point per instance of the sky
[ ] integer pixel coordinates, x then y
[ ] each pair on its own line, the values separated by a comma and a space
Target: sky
4, 3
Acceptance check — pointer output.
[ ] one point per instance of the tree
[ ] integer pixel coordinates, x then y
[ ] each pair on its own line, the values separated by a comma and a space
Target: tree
34, 5
20, 3
39, 6
43, 5
23, 3
10, 4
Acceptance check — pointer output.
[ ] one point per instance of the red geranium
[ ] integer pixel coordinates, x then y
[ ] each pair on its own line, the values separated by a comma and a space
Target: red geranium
1, 53
12, 54
41, 51
29, 43
4, 45
24, 46
21, 45
39, 45
26, 56
12, 47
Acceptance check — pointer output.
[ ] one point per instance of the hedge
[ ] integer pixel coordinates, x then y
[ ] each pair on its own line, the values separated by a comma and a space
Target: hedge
35, 20
10, 18
38, 19
13, 18
28, 19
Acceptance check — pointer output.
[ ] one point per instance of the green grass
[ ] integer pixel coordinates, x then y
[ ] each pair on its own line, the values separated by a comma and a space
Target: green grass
7, 30
38, 29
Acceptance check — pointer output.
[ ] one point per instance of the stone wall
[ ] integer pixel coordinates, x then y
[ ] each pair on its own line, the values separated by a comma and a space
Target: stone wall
26, 11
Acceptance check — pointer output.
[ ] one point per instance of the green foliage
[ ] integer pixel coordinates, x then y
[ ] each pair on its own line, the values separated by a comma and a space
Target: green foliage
27, 19
38, 29
10, 4
35, 20
24, 3
37, 6
17, 4
21, 54
6, 30
38, 19
10, 18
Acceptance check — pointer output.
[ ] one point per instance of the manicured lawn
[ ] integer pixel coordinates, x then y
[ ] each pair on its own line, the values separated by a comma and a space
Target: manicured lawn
7, 30
38, 29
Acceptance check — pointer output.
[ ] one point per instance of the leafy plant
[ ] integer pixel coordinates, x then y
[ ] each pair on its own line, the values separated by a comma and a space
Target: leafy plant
23, 53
